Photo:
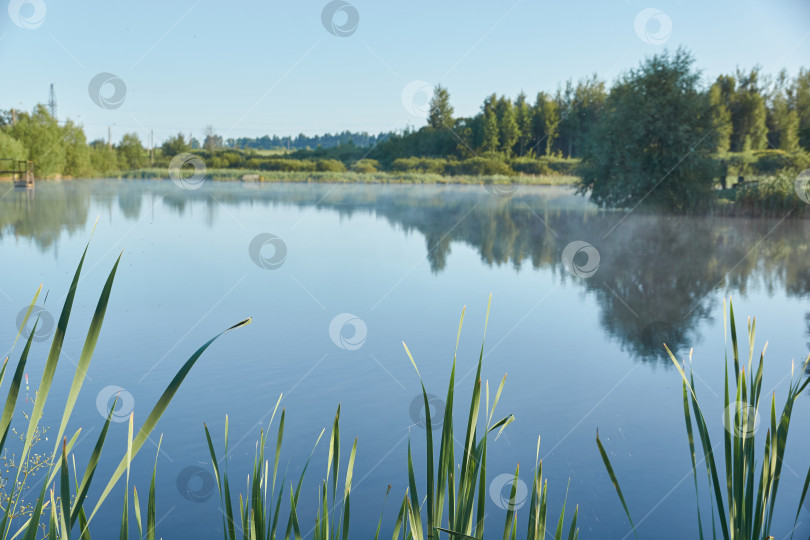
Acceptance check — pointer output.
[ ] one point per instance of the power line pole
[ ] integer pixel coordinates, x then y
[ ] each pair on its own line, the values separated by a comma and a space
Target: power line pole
109, 137
152, 147
52, 102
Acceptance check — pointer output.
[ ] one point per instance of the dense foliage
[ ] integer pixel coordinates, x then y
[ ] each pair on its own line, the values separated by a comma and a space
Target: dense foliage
654, 142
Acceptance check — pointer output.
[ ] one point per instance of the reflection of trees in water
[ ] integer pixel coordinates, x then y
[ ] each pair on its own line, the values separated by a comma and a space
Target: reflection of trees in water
43, 214
656, 275
130, 201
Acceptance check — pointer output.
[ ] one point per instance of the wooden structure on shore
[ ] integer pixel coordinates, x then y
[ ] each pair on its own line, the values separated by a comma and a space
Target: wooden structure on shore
22, 172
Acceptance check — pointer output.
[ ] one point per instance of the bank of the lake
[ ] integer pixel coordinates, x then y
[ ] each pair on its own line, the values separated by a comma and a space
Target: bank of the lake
352, 177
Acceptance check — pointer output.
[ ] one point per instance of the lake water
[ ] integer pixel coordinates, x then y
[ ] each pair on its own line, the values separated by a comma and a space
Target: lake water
339, 275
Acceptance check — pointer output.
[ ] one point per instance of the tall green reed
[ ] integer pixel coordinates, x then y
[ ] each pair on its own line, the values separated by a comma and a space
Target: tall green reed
69, 511
744, 510
463, 486
258, 516
466, 490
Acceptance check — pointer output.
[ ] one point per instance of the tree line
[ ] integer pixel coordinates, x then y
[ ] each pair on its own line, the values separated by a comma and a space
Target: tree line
659, 134
63, 150
304, 142
750, 110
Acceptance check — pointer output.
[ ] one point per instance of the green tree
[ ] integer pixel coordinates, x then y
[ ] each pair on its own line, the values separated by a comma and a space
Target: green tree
508, 131
782, 118
655, 139
175, 145
11, 147
489, 128
77, 153
131, 153
579, 108
103, 159
441, 112
523, 113
721, 117
212, 141
801, 103
43, 139
545, 123
748, 113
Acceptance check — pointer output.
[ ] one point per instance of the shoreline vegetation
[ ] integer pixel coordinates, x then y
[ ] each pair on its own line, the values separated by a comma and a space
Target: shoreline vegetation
742, 144
353, 177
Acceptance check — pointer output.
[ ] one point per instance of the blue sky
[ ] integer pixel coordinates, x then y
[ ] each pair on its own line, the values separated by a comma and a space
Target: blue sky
255, 68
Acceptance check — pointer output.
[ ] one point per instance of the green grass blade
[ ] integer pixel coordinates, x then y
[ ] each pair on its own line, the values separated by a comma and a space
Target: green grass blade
5, 422
137, 504
32, 527
81, 492
24, 324
150, 505
51, 362
413, 508
510, 512
801, 500
65, 492
708, 451
52, 528
87, 351
559, 531
227, 519
348, 489
14, 388
572, 532
432, 521
158, 410
690, 435
398, 524
379, 523
615, 481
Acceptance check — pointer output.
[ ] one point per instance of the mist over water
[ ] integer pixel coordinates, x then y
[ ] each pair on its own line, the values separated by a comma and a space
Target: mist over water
583, 300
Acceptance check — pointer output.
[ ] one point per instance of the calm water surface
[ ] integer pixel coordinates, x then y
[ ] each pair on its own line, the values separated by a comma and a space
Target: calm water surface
580, 351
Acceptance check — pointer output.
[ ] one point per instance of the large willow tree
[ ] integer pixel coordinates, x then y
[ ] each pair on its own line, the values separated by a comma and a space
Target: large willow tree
653, 142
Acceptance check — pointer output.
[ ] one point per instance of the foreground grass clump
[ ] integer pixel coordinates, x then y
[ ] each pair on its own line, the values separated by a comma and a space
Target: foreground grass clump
745, 509
462, 485
63, 503
466, 491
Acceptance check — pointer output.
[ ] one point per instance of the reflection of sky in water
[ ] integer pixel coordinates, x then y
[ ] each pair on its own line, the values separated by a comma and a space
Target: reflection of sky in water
404, 260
